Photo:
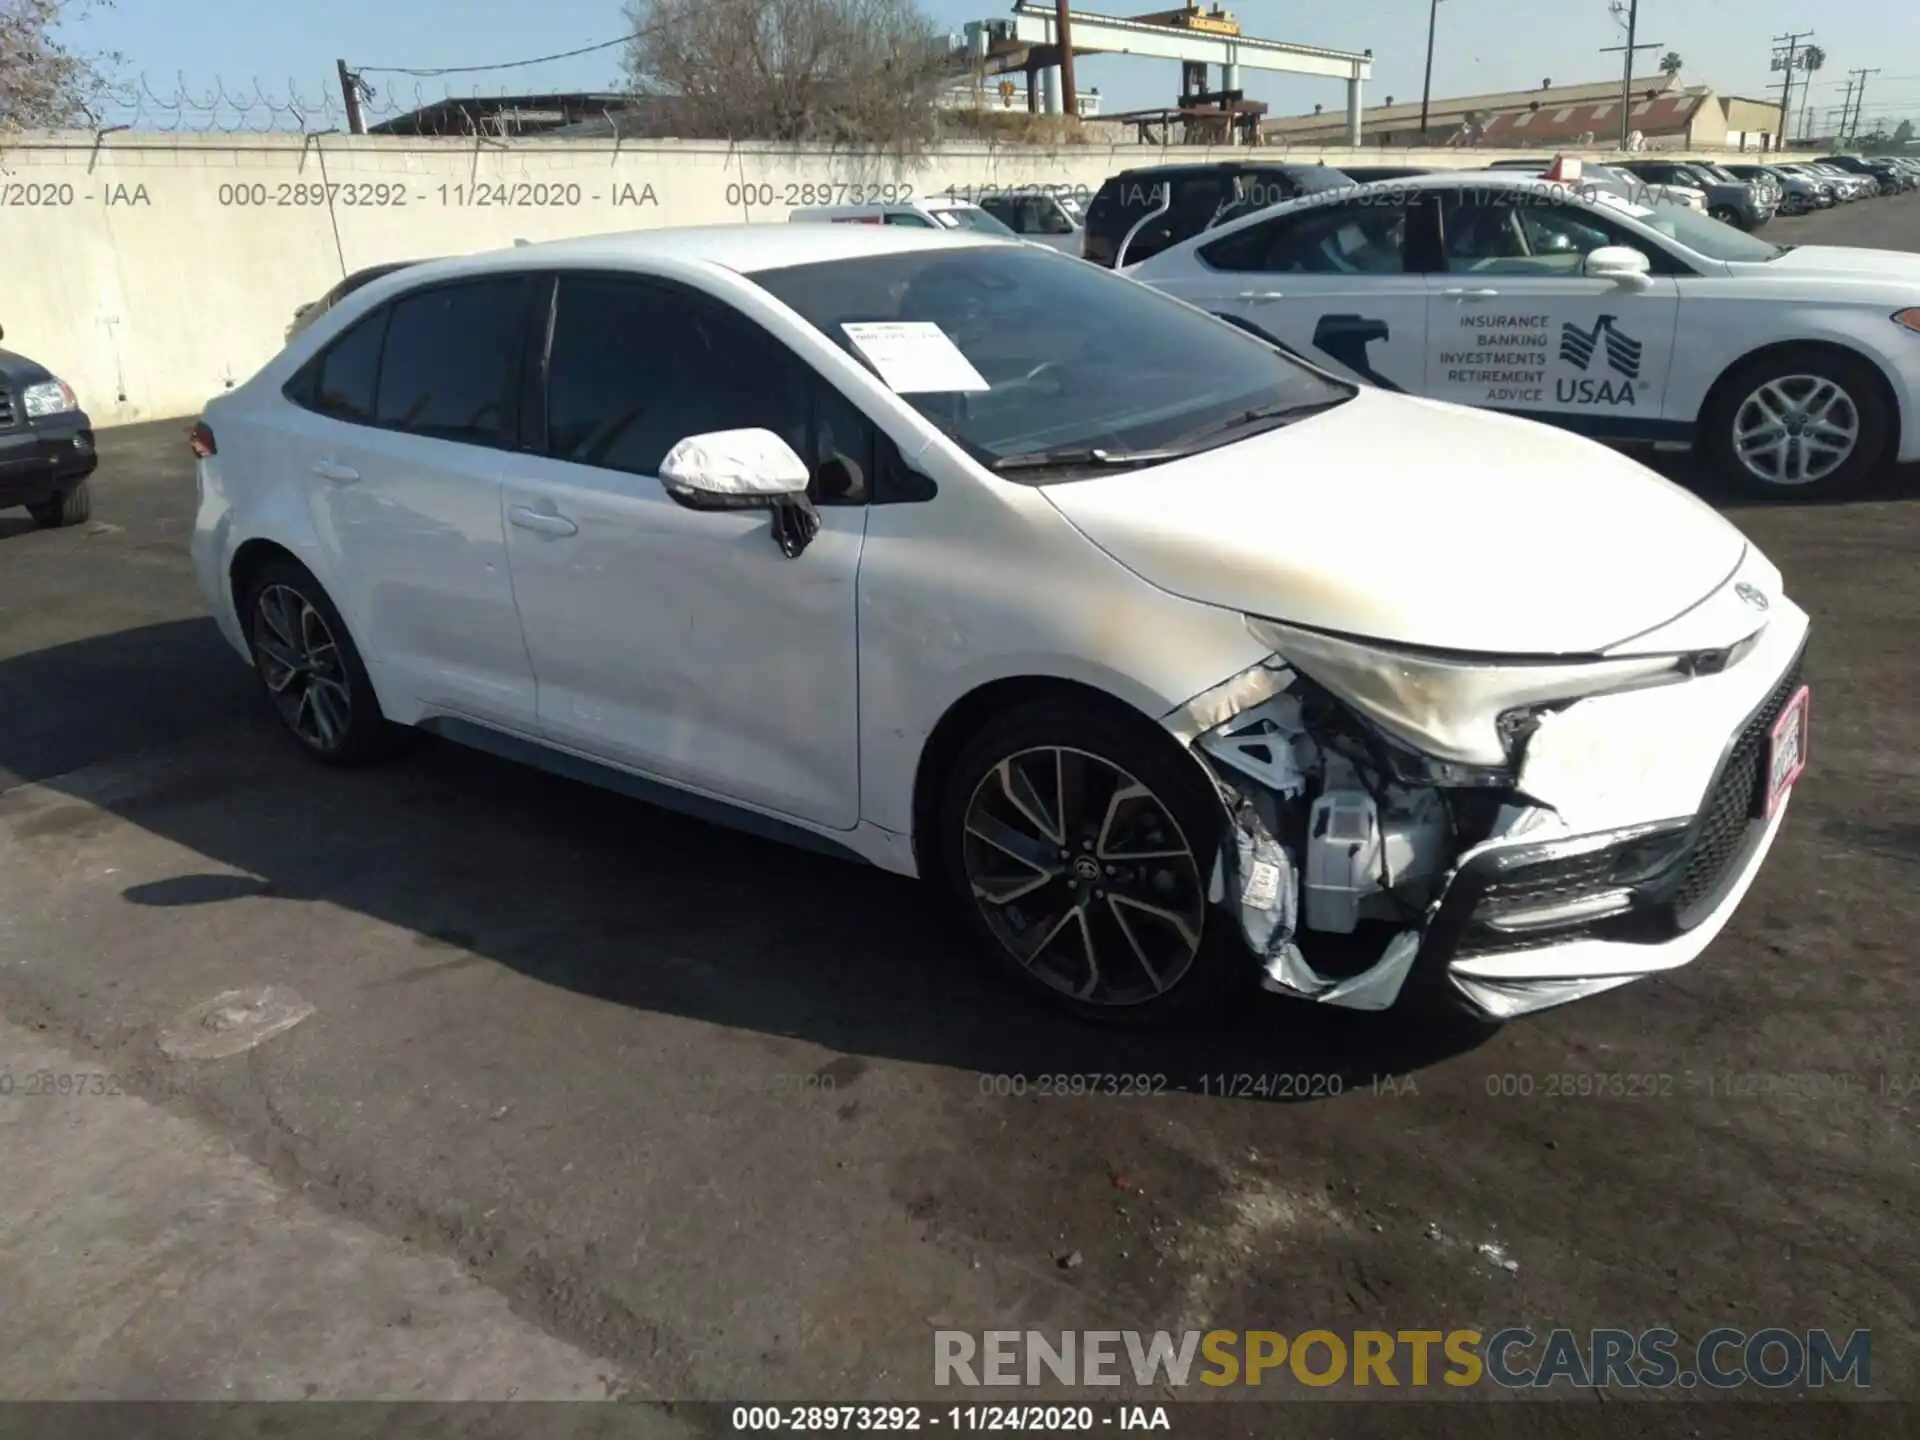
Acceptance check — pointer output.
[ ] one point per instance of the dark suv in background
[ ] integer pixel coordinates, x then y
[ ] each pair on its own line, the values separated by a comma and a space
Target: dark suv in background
46, 444
1202, 196
1875, 167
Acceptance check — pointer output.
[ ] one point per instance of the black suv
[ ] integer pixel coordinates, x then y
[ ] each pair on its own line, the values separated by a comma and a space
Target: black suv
46, 444
1203, 195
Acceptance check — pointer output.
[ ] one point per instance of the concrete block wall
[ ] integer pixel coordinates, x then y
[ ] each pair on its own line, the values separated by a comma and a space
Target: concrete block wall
153, 271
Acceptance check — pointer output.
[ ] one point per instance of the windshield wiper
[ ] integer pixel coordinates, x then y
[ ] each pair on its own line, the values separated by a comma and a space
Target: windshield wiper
1295, 410
1083, 457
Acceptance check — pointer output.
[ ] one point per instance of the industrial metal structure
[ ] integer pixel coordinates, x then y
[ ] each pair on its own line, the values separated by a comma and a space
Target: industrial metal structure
1200, 40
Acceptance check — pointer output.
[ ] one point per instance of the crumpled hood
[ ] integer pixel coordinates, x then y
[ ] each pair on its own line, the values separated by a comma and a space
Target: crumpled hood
1847, 259
1418, 522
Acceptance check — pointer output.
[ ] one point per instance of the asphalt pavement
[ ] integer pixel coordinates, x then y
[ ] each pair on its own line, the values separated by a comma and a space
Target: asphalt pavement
586, 1098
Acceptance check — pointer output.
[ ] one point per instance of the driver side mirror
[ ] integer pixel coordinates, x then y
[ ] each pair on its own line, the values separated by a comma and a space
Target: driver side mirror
745, 470
1623, 265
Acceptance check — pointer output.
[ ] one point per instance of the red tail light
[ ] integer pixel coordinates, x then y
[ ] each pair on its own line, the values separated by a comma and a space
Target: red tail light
200, 437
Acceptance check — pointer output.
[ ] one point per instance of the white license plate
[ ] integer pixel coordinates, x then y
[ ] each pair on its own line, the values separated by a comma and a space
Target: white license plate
1787, 750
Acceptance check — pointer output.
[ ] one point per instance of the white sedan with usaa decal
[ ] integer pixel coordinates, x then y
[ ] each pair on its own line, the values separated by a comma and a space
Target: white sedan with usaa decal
1794, 369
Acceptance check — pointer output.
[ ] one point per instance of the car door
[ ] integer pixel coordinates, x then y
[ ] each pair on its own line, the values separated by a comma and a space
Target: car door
683, 643
401, 445
1332, 283
1516, 325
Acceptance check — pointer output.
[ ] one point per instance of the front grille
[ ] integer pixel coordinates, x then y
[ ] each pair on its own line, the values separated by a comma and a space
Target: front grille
6, 405
1738, 798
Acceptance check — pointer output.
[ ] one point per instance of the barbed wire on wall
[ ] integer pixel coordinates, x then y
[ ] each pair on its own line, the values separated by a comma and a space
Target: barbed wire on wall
222, 107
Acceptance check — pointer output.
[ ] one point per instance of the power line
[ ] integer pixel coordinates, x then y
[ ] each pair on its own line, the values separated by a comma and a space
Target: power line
1860, 96
1784, 63
504, 65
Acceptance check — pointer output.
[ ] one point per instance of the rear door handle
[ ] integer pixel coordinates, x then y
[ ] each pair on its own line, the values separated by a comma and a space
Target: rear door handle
1262, 297
336, 473
528, 518
1472, 294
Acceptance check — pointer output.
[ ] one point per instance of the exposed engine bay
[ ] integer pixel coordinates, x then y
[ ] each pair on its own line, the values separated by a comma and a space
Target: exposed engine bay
1335, 860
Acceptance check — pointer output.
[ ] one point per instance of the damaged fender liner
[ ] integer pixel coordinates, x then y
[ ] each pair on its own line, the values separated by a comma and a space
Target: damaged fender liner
1263, 757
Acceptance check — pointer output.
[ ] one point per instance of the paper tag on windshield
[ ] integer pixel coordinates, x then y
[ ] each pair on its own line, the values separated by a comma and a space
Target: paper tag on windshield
914, 357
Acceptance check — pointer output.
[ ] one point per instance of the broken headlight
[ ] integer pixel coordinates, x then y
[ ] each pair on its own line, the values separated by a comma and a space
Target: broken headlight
1466, 713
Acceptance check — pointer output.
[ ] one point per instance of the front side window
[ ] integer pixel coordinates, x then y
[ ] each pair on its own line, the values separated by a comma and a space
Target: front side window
1359, 237
451, 358
634, 369
1073, 358
1528, 234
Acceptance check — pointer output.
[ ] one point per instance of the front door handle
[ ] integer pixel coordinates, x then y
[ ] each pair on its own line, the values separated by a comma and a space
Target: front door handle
1262, 297
335, 473
528, 518
1472, 294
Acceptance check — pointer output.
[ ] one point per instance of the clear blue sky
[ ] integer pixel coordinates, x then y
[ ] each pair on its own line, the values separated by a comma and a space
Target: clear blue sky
1483, 45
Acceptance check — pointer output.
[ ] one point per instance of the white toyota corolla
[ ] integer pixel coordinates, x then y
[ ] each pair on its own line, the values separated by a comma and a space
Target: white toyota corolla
1180, 664
1792, 368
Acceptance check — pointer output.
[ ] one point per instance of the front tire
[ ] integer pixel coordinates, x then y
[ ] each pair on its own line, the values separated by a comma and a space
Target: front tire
1080, 846
310, 668
1798, 423
1727, 215
72, 508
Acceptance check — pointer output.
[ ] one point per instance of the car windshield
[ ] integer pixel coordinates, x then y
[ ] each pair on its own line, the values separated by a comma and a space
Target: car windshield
1702, 235
971, 217
1070, 358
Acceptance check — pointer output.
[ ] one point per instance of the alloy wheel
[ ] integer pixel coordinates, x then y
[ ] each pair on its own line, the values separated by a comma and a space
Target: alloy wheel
1795, 429
1084, 875
301, 665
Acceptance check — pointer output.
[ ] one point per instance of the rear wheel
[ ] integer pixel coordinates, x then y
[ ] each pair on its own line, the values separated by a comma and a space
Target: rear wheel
1080, 849
72, 508
1799, 423
310, 669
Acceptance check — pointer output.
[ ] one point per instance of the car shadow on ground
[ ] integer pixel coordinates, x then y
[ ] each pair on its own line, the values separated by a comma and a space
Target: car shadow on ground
594, 892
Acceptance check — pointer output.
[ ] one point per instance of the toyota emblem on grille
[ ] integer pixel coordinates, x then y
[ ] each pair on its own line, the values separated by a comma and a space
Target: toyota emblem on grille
1752, 594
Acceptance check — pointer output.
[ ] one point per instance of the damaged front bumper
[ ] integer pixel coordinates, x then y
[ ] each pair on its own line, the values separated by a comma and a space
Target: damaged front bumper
1630, 834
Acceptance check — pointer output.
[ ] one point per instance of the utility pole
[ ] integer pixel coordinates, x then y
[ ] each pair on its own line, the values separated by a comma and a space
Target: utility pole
1859, 100
1426, 88
350, 92
1063, 32
1626, 78
1792, 42
1846, 109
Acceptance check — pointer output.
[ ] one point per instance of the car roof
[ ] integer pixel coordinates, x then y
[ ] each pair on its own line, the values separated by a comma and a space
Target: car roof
743, 249
1215, 167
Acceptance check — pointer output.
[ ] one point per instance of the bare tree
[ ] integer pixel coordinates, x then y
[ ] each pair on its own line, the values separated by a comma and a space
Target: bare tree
43, 84
856, 72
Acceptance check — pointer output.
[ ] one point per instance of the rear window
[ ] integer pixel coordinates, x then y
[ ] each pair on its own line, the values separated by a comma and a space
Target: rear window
969, 218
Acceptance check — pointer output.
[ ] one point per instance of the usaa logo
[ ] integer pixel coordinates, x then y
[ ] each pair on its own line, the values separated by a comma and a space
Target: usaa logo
1579, 348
